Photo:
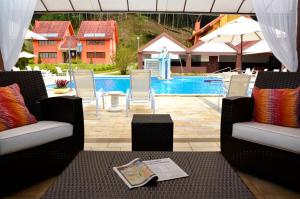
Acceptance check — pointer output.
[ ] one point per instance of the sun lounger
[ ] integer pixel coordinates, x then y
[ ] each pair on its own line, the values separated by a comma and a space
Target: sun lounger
28, 68
238, 86
86, 89
140, 89
60, 72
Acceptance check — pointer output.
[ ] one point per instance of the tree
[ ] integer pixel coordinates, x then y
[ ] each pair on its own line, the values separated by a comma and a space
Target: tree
123, 58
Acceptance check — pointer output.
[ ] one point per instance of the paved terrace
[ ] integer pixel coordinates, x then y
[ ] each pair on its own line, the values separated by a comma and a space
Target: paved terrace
196, 124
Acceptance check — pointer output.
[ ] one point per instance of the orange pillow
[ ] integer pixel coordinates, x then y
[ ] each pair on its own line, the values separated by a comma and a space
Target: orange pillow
277, 106
13, 112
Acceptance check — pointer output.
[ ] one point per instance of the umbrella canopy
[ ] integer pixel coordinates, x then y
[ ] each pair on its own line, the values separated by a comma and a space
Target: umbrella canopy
257, 48
232, 31
211, 48
241, 29
24, 54
33, 35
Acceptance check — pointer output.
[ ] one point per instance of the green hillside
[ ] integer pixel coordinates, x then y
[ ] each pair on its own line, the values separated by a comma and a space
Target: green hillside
134, 26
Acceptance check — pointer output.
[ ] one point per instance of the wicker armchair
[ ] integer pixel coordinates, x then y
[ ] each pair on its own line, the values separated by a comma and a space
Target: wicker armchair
31, 165
270, 163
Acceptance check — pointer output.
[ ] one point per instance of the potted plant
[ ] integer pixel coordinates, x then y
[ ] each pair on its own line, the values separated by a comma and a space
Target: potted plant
61, 86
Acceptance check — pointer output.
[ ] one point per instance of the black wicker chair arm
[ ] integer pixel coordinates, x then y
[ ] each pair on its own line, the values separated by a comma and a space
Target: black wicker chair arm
66, 109
237, 109
63, 109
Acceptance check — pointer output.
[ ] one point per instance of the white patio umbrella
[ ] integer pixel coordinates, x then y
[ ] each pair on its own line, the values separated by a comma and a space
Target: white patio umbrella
214, 48
24, 54
33, 35
257, 48
238, 30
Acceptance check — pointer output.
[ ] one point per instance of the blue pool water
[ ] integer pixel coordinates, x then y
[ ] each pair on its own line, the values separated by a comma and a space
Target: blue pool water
177, 85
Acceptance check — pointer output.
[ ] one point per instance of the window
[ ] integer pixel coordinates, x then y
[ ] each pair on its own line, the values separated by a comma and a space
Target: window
95, 42
47, 43
48, 55
95, 54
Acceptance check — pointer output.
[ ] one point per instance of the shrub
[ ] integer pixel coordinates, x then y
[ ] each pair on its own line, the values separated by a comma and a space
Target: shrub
30, 61
22, 62
97, 68
76, 61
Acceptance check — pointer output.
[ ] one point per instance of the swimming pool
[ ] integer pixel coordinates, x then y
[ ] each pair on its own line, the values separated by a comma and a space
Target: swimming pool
177, 85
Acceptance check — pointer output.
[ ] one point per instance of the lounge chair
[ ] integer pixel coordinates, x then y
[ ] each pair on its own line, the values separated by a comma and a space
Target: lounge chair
28, 68
44, 72
238, 86
248, 71
227, 75
140, 89
86, 89
251, 72
36, 68
15, 68
60, 72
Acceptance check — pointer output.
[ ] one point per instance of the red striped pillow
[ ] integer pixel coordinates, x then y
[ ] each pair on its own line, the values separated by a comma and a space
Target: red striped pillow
13, 111
277, 106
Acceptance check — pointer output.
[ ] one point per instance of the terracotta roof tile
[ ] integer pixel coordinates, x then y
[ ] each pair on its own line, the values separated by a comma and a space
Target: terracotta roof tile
65, 42
56, 29
96, 29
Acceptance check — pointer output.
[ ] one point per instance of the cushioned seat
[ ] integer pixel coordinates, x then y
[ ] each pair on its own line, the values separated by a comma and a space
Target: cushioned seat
284, 138
32, 135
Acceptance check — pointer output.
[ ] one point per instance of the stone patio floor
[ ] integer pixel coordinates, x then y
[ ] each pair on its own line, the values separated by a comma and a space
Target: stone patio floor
196, 124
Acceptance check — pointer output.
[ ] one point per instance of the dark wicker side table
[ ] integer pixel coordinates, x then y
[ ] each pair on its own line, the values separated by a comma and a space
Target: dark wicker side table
152, 132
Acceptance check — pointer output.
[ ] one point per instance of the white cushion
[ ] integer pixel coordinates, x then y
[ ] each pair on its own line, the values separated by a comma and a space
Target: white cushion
32, 135
280, 137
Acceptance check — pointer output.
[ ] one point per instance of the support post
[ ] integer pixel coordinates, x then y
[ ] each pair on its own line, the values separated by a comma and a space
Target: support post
188, 67
213, 64
1, 62
140, 60
70, 62
298, 36
239, 57
238, 65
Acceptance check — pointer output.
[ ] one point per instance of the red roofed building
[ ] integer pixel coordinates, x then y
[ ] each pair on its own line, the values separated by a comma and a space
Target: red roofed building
52, 50
69, 42
98, 39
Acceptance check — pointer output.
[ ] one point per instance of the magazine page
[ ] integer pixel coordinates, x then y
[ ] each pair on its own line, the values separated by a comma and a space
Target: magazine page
165, 169
135, 173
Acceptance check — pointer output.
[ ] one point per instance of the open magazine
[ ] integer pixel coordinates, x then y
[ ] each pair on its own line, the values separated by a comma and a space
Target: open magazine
138, 173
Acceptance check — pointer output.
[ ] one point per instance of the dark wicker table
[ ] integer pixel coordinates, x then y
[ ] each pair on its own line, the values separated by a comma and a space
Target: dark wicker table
152, 132
90, 175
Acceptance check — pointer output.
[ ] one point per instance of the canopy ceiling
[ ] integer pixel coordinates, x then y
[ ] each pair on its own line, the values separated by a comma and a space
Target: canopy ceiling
172, 6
